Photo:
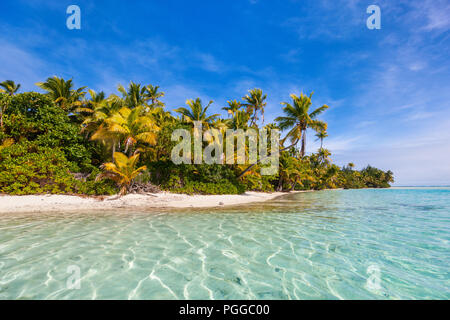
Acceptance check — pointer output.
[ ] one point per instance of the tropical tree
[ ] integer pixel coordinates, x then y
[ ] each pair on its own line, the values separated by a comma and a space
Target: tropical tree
389, 176
5, 100
162, 117
96, 101
298, 118
152, 93
130, 126
292, 171
221, 125
61, 125
233, 107
62, 92
255, 101
240, 120
122, 171
330, 177
323, 156
300, 174
322, 134
376, 178
285, 169
97, 112
135, 95
197, 112
9, 87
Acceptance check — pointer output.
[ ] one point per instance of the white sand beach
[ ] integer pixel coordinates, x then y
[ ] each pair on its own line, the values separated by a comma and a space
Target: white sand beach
64, 203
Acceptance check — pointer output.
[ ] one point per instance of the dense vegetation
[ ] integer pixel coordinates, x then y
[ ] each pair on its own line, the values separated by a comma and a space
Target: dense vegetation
66, 141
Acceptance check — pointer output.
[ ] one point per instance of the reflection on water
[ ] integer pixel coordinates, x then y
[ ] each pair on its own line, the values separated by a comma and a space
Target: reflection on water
341, 244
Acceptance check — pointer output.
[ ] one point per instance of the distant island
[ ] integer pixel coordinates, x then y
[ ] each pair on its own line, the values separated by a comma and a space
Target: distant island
66, 142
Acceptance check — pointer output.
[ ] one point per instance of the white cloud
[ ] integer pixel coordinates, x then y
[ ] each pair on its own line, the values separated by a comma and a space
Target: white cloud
437, 13
20, 66
208, 62
292, 56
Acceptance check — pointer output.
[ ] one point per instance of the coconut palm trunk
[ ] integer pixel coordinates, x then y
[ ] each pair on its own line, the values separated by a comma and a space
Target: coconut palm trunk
280, 184
293, 186
302, 151
113, 150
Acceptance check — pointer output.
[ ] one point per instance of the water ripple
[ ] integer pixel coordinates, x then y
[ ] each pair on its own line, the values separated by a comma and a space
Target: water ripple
302, 246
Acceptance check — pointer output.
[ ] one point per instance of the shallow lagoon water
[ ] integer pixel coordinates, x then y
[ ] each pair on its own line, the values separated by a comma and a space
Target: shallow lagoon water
338, 244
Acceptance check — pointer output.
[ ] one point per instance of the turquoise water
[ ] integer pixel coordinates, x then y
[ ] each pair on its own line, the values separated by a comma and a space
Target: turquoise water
341, 244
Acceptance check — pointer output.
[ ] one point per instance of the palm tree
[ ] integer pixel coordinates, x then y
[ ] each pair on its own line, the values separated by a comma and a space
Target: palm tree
233, 107
389, 176
240, 120
162, 117
322, 134
135, 95
324, 156
295, 177
255, 101
97, 100
292, 171
284, 170
98, 112
197, 113
221, 124
131, 126
123, 171
9, 87
62, 92
153, 95
330, 177
299, 119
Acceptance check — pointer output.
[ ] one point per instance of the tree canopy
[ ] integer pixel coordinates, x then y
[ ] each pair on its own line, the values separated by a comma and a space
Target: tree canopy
62, 140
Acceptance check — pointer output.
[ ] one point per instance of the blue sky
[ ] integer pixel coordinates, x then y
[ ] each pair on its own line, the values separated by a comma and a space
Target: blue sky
388, 90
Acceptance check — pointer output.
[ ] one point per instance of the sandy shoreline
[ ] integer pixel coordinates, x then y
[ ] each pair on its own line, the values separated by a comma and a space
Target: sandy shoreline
65, 203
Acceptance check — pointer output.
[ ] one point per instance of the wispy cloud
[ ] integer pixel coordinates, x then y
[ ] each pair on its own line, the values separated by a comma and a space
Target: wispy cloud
209, 62
18, 64
291, 56
437, 13
324, 20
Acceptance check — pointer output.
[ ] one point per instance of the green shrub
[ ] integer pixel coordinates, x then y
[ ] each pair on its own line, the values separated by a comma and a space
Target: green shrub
222, 187
29, 169
26, 168
34, 117
90, 186
257, 182
201, 179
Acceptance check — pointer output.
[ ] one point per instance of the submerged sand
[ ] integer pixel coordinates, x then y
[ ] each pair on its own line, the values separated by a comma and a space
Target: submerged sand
64, 203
